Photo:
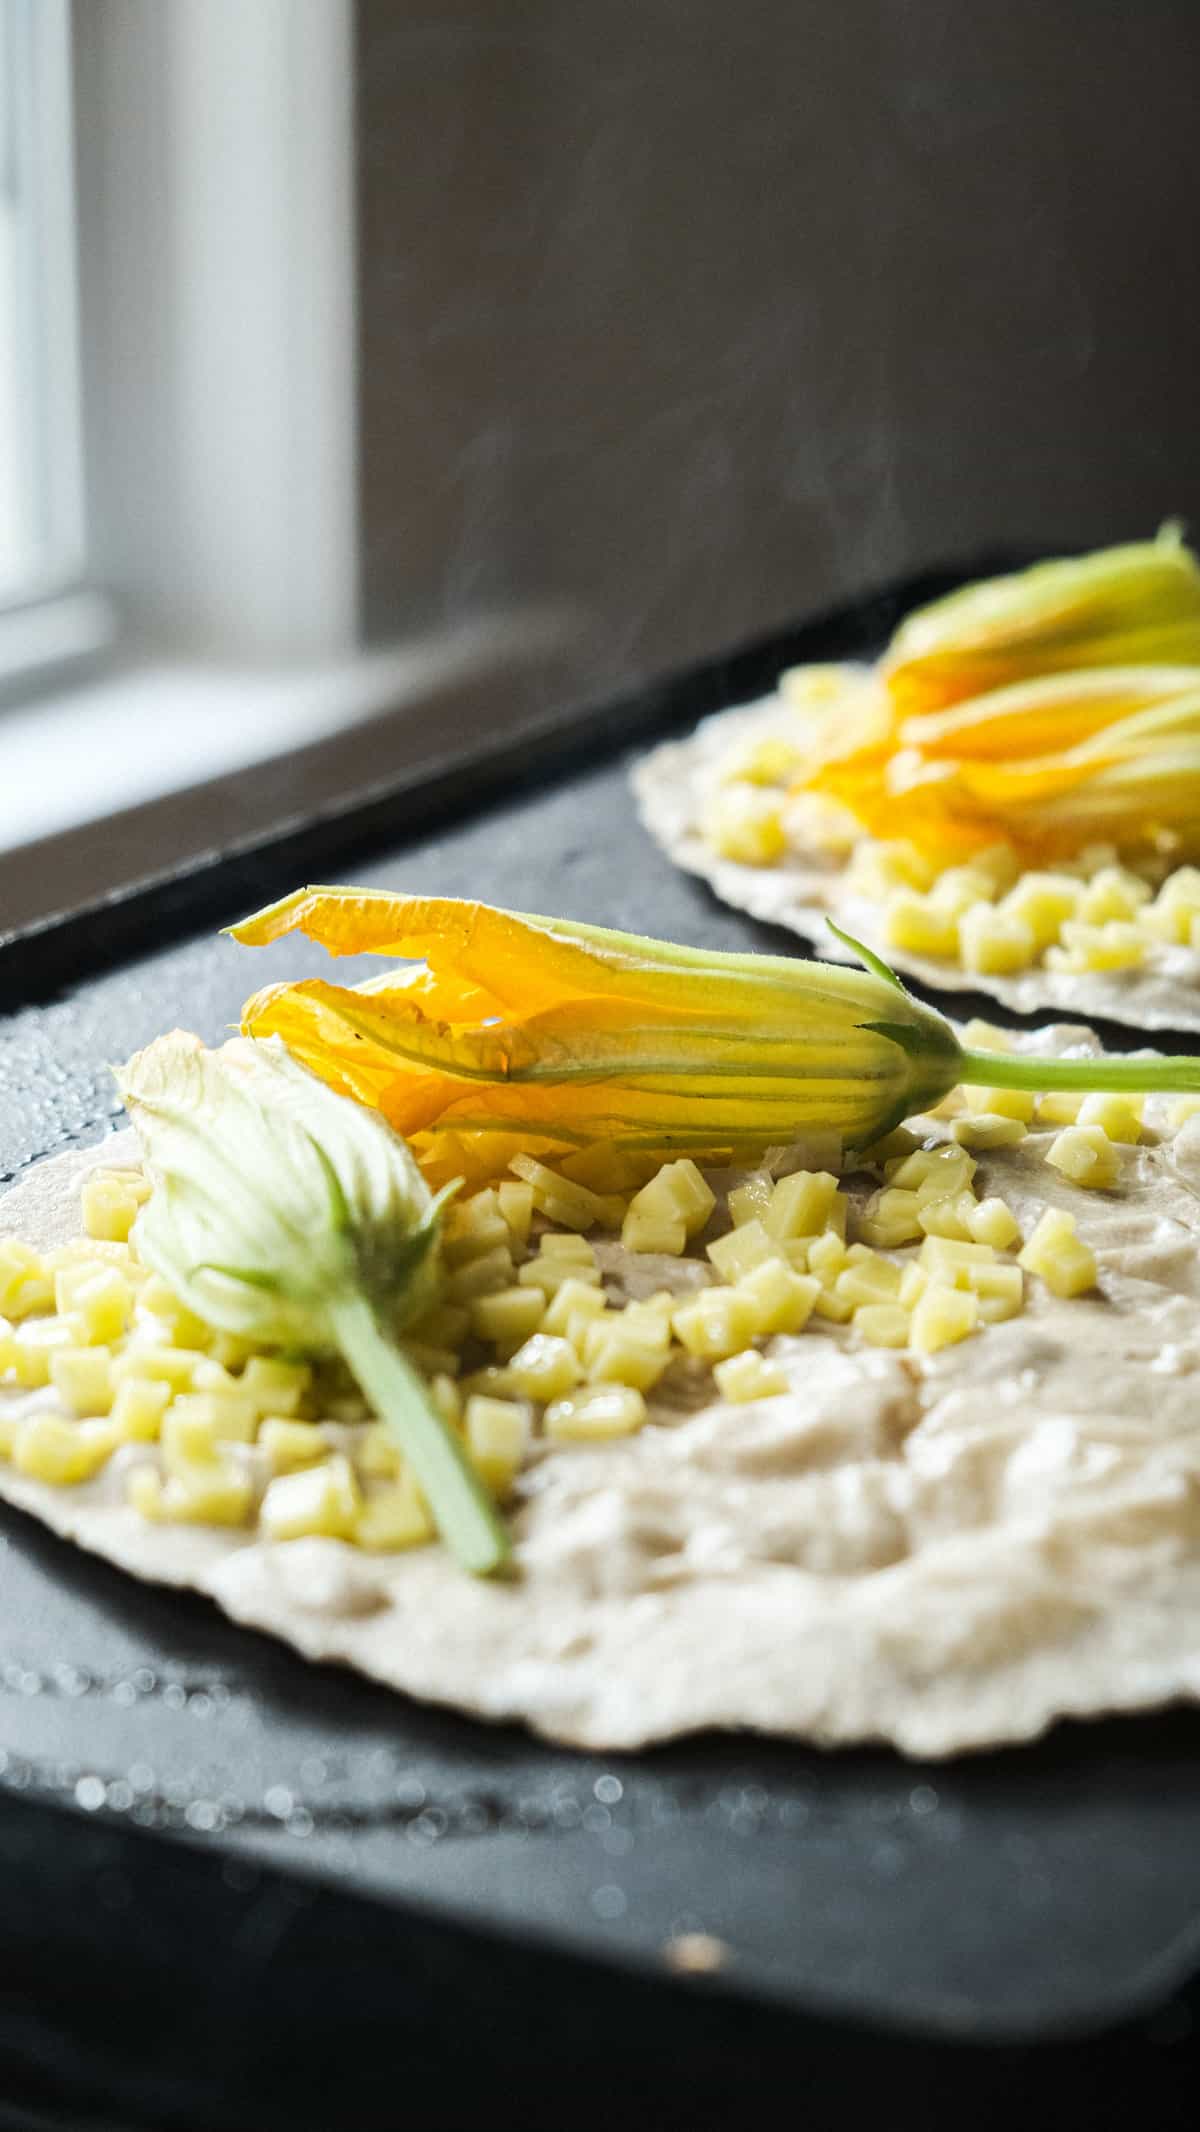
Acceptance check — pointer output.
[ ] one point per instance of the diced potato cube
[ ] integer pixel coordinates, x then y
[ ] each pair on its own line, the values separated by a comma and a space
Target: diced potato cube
826, 1256
108, 1208
1118, 1116
485, 1275
984, 1131
913, 1282
230, 1350
431, 1361
376, 1451
598, 1413
1001, 1102
993, 942
185, 1328
631, 1355
1059, 1107
877, 868
25, 1284
741, 1250
801, 1205
1115, 946
1042, 902
1001, 1290
138, 1406
571, 1205
950, 1217
920, 926
473, 1226
497, 1433
544, 1368
82, 1377
943, 1258
276, 1386
516, 1205
780, 1301
748, 1376
677, 1193
749, 1201
99, 1295
1113, 892
573, 1248
446, 1325
644, 1230
877, 1280
716, 1323
744, 823
836, 1309
216, 1494
48, 1448
509, 1317
317, 1502
572, 1309
882, 1324
549, 1273
1086, 1155
1057, 1254
943, 1316
28, 1353
992, 1221
960, 888
188, 1434
892, 1148
1180, 1110
291, 1444
1175, 907
393, 1518
932, 1172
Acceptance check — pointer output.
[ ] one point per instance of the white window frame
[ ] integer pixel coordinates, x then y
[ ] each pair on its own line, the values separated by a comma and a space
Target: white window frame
50, 619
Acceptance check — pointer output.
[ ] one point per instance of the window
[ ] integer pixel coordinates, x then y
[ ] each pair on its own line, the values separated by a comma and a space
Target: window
41, 517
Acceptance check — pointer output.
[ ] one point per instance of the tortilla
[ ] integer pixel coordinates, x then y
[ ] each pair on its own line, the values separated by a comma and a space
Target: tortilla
805, 889
943, 1554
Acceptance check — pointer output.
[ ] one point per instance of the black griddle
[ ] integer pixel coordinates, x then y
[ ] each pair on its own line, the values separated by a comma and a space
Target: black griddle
236, 1888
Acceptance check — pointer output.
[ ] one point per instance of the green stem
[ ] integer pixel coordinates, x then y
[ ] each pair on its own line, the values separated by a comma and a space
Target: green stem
464, 1513
1107, 1076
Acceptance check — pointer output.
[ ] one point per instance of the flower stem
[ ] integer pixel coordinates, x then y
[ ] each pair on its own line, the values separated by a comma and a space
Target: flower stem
464, 1513
1109, 1076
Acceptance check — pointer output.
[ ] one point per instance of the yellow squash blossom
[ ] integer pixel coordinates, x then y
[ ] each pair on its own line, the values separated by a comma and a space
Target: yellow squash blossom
536, 1033
1044, 711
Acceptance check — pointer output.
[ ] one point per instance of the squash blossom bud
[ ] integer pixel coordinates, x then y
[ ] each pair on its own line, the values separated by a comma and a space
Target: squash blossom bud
521, 1032
286, 1214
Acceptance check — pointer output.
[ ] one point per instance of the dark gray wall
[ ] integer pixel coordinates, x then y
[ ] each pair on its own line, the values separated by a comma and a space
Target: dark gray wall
703, 314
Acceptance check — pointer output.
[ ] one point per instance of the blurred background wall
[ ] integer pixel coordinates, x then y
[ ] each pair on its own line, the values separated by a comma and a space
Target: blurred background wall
700, 314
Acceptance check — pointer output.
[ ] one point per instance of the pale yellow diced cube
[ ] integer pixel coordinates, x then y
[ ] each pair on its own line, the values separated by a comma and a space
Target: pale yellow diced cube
516, 1205
985, 1131
317, 1502
82, 1377
744, 823
943, 1316
376, 1451
138, 1406
570, 1205
742, 1250
749, 1201
879, 867
1180, 1110
108, 1208
549, 1272
875, 1280
289, 1445
716, 1323
475, 1225
932, 1172
570, 1249
949, 1217
216, 1493
598, 1413
1042, 903
46, 1447
960, 888
485, 1275
1001, 1102
615, 1353
827, 1255
544, 1368
572, 1309
1001, 1290
431, 1361
780, 1300
1057, 1254
1112, 892
893, 1147
509, 1317
1086, 1155
1001, 865
992, 1221
994, 943
913, 1282
890, 1218
275, 1386
497, 1432
28, 1353
183, 1327
919, 926
25, 1282
800, 1205
836, 1309
446, 1325
943, 1258
394, 1518
1115, 946
645, 1229
99, 1295
1058, 1107
1176, 907
677, 1193
1120, 1117
741, 1378
882, 1324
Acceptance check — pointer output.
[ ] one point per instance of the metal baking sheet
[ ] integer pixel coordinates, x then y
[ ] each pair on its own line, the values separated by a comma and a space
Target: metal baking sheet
1037, 1893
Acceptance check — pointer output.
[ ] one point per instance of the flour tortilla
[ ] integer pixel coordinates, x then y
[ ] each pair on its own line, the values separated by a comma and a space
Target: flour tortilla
944, 1556
805, 889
